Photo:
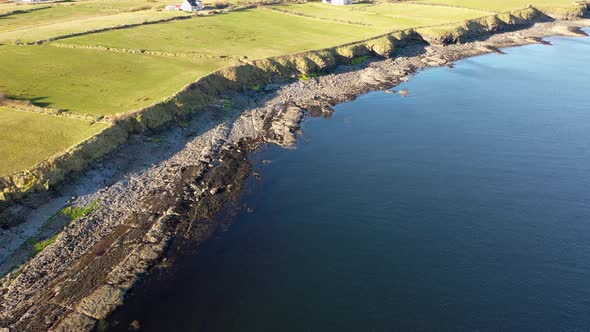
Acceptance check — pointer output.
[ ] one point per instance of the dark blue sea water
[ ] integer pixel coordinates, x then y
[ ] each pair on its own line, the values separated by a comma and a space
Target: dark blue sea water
462, 207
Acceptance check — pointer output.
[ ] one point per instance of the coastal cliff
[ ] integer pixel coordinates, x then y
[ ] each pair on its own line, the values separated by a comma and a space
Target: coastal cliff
251, 75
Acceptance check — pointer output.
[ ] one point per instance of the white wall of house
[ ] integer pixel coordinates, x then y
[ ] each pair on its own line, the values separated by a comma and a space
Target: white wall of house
338, 2
187, 7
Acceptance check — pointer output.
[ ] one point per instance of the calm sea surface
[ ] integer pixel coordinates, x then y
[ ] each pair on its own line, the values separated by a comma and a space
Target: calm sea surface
462, 207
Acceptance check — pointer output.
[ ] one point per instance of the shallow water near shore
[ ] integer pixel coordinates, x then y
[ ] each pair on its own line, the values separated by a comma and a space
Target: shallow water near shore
463, 206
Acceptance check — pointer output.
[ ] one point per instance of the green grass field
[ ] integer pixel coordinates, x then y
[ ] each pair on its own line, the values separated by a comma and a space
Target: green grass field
29, 138
94, 82
8, 7
47, 20
32, 33
257, 33
503, 5
44, 14
386, 17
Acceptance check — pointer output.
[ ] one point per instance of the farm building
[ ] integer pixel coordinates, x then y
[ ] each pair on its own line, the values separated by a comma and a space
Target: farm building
338, 2
187, 6
191, 5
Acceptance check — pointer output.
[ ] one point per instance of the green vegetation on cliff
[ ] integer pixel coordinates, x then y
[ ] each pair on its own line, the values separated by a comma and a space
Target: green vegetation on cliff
75, 212
38, 246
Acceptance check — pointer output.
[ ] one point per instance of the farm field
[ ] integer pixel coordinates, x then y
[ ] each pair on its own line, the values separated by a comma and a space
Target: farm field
504, 5
28, 138
9, 7
256, 33
32, 33
42, 14
95, 82
388, 17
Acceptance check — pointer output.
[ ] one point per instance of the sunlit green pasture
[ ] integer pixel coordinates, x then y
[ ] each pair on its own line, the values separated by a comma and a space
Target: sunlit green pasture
31, 33
387, 16
504, 5
9, 7
94, 82
29, 138
255, 33
43, 14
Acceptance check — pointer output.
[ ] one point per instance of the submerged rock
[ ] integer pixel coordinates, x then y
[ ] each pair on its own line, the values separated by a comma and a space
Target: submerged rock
135, 325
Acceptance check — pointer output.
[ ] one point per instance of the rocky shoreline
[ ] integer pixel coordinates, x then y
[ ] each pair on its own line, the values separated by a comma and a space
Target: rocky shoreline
196, 97
155, 189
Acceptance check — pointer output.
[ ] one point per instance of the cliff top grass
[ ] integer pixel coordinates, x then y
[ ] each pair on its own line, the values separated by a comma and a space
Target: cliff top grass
547, 6
29, 138
33, 33
387, 17
255, 33
9, 7
22, 22
48, 13
95, 82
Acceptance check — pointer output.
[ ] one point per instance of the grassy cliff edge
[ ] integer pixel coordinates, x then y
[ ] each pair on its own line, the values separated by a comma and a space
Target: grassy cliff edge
197, 95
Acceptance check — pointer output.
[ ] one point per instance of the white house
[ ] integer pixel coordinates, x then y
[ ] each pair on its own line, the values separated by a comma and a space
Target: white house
338, 2
191, 5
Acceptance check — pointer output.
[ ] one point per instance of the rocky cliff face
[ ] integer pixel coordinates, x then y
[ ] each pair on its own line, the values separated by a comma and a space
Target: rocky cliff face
196, 96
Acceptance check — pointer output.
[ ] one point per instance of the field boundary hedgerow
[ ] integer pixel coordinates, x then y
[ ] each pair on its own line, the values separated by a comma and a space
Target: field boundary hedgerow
295, 13
142, 51
125, 26
27, 106
22, 11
